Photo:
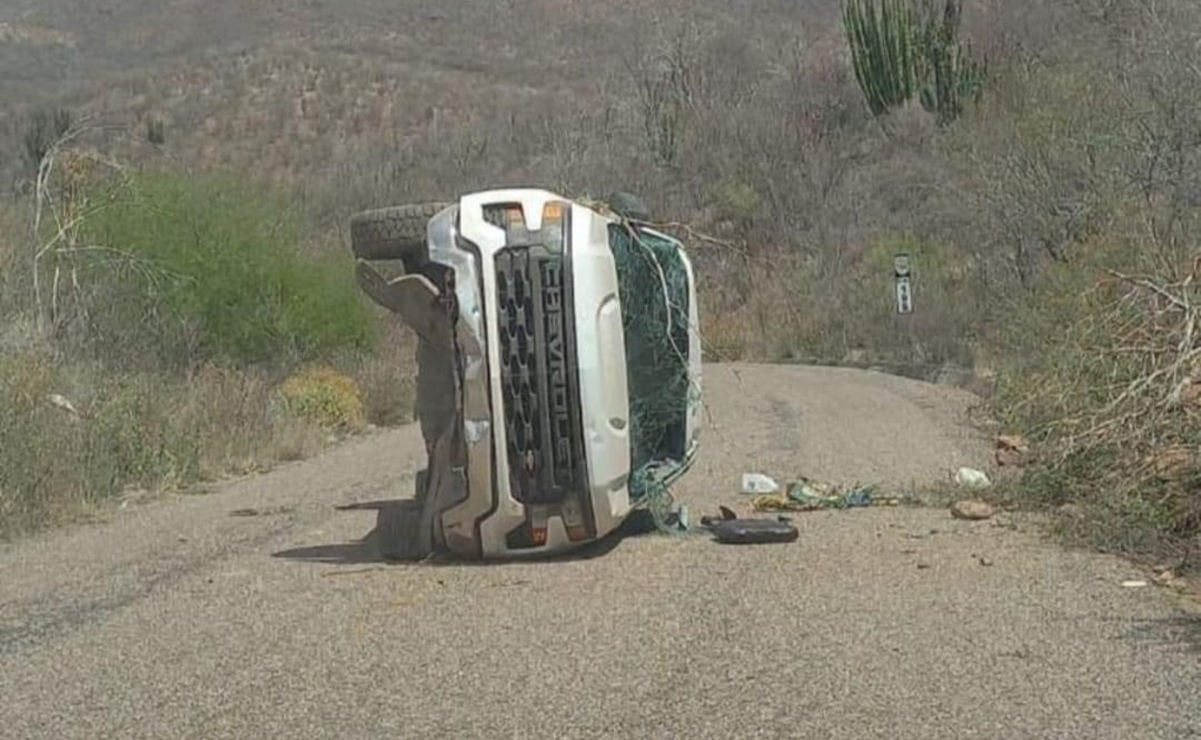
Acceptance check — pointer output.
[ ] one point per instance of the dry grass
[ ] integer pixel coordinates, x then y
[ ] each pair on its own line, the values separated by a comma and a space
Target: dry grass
1115, 412
72, 437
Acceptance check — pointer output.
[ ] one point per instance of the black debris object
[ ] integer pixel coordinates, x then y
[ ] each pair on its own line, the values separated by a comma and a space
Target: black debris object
731, 530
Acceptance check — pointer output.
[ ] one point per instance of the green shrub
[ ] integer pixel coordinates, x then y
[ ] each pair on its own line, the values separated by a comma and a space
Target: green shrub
206, 268
325, 397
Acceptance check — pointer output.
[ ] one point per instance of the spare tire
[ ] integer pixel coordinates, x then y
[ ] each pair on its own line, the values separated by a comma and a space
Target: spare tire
629, 206
397, 233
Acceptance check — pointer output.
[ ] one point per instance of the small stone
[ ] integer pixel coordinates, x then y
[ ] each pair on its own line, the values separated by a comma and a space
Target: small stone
923, 566
1009, 458
1169, 579
972, 510
1012, 450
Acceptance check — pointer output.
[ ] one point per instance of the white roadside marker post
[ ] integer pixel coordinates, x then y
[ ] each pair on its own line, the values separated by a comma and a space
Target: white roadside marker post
904, 289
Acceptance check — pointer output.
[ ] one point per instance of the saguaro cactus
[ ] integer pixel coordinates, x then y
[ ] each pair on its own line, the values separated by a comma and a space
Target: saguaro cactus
883, 38
899, 53
949, 73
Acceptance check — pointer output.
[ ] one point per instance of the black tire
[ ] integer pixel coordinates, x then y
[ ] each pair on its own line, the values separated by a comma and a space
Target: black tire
629, 206
397, 233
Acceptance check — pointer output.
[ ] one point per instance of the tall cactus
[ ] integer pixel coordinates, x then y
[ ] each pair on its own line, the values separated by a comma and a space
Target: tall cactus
883, 41
949, 73
951, 76
898, 54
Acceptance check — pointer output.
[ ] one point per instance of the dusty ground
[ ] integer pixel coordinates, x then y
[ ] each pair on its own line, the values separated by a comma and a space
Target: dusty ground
181, 619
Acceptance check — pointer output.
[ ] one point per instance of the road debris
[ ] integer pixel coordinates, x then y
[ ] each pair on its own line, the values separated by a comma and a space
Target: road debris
1134, 584
972, 510
758, 484
731, 530
807, 495
971, 478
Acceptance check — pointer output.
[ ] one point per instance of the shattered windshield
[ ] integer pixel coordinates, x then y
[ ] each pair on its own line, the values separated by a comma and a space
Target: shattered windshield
653, 284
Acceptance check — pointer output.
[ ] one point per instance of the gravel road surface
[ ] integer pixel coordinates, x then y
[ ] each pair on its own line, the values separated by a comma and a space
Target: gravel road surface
192, 617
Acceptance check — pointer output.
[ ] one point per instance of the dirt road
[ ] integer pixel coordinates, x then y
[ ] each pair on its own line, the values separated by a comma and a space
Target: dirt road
194, 617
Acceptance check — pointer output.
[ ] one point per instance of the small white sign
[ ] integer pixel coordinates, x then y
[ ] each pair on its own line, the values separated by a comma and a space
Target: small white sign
904, 296
900, 265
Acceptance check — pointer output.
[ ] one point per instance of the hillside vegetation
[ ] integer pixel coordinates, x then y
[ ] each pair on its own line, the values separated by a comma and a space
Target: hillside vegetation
1051, 208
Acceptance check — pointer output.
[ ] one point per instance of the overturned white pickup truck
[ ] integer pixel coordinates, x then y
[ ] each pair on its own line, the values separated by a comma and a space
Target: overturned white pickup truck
558, 367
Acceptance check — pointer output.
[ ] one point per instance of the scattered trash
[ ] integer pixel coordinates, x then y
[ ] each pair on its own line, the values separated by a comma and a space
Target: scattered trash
972, 510
972, 478
756, 484
984, 561
1134, 584
806, 495
682, 518
731, 530
1012, 450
